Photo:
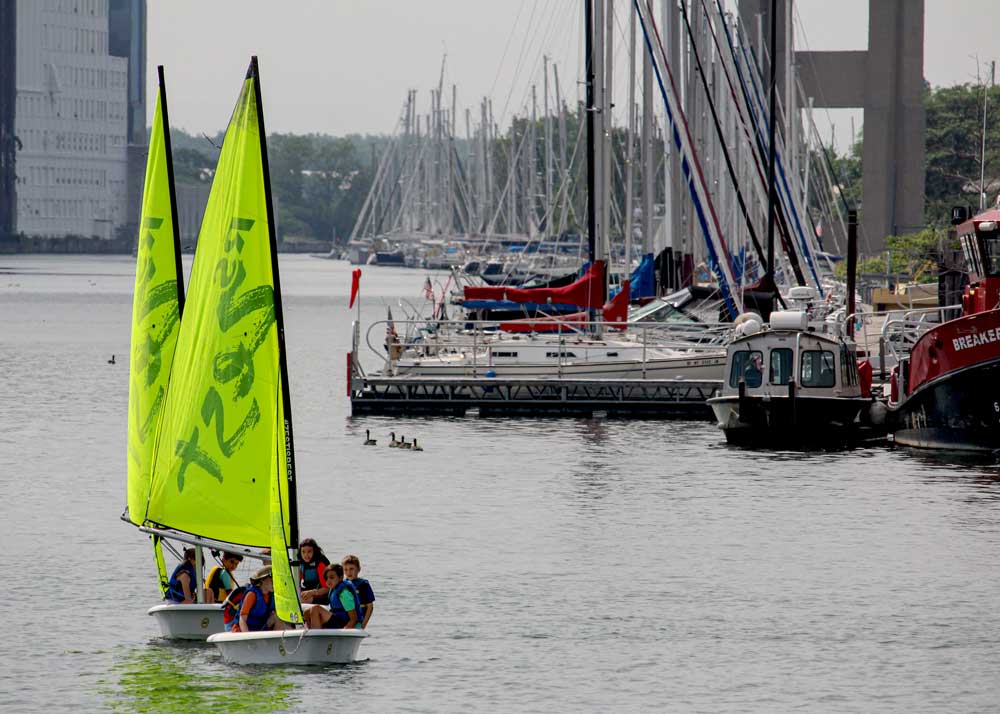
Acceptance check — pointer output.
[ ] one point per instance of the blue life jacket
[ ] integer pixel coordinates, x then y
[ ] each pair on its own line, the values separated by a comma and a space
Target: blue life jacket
175, 591
337, 609
364, 588
309, 573
261, 610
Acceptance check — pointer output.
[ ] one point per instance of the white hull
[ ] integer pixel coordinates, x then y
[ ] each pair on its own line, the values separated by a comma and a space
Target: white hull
708, 367
300, 647
188, 622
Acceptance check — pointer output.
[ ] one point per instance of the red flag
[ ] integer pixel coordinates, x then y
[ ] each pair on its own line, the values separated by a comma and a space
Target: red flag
355, 284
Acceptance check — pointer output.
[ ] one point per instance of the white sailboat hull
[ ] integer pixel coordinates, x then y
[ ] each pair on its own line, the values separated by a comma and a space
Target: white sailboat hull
187, 622
298, 647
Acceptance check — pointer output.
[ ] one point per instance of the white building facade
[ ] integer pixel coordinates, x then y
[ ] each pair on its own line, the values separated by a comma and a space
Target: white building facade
70, 119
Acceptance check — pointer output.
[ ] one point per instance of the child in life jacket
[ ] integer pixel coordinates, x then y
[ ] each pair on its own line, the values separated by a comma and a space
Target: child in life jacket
345, 605
220, 581
352, 571
312, 575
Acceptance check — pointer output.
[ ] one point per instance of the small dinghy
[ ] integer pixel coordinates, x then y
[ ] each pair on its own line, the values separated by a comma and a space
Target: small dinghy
187, 622
299, 647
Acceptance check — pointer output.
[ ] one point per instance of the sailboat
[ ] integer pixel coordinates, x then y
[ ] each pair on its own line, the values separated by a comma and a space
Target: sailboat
223, 465
156, 312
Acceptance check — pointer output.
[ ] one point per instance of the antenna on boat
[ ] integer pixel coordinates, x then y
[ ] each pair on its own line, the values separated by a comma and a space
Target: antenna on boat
982, 155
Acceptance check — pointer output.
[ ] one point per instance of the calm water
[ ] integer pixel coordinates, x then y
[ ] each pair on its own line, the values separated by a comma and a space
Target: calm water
530, 565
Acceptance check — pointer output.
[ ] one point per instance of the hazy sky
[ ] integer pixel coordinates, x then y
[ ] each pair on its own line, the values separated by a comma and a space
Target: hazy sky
343, 66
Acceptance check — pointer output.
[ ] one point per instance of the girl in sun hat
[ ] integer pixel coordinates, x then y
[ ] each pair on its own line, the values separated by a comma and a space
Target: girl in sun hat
257, 609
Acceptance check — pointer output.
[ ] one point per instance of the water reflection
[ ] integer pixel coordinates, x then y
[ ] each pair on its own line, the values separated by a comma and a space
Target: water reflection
164, 677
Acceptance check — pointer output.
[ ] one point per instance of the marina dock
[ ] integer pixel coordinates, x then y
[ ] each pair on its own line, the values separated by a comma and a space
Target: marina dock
492, 396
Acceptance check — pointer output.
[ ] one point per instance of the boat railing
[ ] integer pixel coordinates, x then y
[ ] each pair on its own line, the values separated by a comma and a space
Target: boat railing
470, 339
892, 333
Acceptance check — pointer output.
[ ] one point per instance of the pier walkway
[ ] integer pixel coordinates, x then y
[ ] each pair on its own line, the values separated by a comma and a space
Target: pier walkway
548, 396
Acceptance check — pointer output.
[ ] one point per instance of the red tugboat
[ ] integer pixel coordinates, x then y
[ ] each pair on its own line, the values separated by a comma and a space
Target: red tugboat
946, 394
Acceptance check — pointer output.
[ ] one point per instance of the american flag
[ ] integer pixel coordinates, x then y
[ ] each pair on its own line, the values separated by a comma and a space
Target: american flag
391, 338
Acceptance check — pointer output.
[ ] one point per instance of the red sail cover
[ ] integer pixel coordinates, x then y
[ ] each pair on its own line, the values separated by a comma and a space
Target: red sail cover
588, 291
615, 314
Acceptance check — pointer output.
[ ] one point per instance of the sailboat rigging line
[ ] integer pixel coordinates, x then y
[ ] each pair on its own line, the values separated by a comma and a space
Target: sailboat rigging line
278, 316
244, 549
715, 244
721, 134
757, 146
836, 176
779, 165
172, 192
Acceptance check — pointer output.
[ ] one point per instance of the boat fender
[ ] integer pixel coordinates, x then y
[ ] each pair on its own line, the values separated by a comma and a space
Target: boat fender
877, 413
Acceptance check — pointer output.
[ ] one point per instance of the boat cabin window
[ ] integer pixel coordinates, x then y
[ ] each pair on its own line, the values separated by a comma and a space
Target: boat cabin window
991, 248
748, 366
558, 354
505, 354
781, 366
817, 369
848, 366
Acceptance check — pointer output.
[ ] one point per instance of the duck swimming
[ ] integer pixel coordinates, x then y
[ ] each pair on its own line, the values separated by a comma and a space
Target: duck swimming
415, 447
403, 444
112, 360
369, 441
393, 444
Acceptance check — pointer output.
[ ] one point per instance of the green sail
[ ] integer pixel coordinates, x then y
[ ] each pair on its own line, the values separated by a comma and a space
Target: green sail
156, 310
215, 454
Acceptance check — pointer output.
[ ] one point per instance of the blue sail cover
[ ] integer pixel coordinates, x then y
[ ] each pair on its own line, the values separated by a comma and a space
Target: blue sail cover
642, 283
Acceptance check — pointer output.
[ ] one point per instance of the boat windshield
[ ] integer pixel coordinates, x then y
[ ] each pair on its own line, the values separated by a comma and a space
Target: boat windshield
748, 367
991, 257
781, 365
817, 369
660, 311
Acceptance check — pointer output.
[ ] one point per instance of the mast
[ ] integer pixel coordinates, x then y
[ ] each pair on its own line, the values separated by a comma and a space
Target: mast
770, 147
171, 190
630, 144
279, 322
589, 109
646, 155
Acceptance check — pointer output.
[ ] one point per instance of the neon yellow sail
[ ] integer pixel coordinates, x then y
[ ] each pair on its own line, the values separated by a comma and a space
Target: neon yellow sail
156, 310
223, 419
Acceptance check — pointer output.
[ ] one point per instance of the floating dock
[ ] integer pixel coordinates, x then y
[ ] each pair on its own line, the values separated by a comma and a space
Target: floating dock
535, 396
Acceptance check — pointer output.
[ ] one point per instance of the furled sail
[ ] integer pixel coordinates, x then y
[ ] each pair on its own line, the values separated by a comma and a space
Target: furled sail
224, 418
156, 310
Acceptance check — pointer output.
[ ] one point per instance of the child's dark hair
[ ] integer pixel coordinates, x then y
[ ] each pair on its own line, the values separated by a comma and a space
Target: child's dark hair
317, 551
337, 568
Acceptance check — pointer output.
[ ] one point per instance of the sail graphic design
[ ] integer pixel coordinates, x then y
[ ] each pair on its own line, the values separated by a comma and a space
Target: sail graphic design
222, 423
156, 310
